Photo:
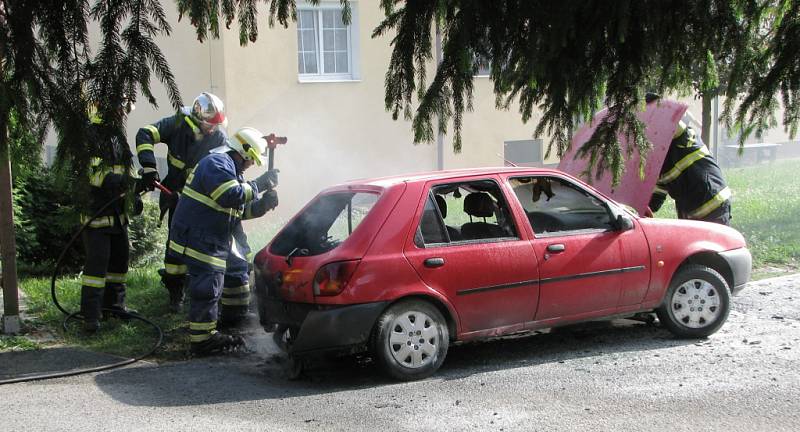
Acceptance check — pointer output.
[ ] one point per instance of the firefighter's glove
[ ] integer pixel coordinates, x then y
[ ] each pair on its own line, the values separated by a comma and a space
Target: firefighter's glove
149, 179
267, 181
138, 205
267, 202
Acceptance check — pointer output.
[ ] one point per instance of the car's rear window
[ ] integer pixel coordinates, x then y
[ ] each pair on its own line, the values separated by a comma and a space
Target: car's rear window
324, 224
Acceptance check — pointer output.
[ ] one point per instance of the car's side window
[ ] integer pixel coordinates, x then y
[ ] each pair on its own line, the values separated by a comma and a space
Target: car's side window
430, 229
556, 206
473, 211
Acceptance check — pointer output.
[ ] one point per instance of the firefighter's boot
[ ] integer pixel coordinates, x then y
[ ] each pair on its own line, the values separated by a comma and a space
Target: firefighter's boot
114, 303
90, 308
218, 343
174, 285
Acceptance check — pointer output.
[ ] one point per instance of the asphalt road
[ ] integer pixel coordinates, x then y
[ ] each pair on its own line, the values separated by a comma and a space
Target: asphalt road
622, 376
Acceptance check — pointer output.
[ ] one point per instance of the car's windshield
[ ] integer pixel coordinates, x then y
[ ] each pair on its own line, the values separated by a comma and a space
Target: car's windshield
324, 224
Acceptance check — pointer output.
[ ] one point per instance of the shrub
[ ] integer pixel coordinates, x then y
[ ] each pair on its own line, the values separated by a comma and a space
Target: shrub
147, 237
45, 220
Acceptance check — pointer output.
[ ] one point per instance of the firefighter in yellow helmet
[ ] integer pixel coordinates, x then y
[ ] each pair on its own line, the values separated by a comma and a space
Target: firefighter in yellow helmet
207, 235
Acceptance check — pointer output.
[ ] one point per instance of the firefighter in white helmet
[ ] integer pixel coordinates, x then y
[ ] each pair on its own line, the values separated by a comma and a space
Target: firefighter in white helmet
189, 135
207, 235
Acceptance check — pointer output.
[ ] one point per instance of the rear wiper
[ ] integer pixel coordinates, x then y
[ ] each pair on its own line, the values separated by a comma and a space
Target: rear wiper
297, 251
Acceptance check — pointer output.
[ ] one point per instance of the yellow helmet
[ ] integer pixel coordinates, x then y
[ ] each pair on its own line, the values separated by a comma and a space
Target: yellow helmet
249, 143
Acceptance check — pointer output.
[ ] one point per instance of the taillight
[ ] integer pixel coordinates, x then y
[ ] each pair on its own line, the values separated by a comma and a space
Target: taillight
331, 279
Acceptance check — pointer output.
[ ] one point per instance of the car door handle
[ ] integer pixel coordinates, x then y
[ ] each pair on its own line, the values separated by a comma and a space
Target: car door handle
556, 248
434, 262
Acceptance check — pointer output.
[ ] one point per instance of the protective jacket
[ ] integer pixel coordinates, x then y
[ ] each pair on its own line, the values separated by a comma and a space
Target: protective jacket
186, 146
106, 236
214, 201
691, 176
108, 178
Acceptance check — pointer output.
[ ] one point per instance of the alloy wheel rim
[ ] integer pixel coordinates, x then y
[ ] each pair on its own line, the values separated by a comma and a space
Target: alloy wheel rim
696, 303
414, 339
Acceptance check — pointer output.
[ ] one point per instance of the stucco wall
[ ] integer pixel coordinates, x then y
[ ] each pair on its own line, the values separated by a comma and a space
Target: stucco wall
340, 130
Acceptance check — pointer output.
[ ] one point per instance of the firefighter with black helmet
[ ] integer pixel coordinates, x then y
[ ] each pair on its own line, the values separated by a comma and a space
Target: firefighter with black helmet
105, 237
206, 235
189, 135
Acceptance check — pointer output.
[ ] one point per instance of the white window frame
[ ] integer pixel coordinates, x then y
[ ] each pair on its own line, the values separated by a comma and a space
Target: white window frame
352, 45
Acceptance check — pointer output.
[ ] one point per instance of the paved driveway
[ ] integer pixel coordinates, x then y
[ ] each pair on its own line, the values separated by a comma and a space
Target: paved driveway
615, 376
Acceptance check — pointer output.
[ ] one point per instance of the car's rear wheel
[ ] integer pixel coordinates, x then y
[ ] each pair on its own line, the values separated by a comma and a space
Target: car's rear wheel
410, 340
284, 336
697, 302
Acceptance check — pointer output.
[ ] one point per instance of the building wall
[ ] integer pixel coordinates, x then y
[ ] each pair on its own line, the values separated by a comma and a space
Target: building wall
340, 130
337, 130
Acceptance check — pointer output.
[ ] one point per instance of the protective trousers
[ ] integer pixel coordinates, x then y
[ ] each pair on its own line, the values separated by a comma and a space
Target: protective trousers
105, 270
174, 275
205, 289
235, 299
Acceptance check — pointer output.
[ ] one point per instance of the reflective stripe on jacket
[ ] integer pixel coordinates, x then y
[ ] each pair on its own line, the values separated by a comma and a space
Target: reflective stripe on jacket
691, 176
210, 211
107, 178
186, 145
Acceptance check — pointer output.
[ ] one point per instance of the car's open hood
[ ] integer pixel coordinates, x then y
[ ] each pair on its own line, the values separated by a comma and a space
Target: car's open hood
660, 120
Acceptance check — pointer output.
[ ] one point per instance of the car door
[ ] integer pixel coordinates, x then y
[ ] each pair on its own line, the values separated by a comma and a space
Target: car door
581, 256
467, 246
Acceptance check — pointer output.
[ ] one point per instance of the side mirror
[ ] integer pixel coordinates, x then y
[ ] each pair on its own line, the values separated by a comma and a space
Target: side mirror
624, 223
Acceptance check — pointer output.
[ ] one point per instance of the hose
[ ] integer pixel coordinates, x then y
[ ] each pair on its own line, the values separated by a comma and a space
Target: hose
76, 315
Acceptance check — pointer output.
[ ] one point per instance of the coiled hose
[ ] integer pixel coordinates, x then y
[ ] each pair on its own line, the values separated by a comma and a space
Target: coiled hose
77, 315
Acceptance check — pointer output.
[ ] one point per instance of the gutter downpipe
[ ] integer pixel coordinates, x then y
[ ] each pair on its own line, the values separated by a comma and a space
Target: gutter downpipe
439, 134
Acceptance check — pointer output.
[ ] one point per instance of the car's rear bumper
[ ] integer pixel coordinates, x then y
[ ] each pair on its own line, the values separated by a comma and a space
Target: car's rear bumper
321, 327
741, 264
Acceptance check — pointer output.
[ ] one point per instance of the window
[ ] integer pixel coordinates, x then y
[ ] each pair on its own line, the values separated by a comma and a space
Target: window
555, 206
523, 152
325, 45
325, 223
465, 212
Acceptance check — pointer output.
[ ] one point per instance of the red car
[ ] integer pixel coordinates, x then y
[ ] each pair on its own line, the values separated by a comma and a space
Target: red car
404, 266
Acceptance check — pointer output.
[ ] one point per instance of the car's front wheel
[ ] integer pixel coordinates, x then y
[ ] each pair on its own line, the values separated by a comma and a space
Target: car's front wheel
410, 340
697, 302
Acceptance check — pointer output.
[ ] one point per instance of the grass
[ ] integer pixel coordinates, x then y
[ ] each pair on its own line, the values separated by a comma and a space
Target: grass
765, 209
17, 343
145, 295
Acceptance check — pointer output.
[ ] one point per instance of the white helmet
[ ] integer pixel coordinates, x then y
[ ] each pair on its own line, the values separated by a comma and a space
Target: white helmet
209, 110
249, 143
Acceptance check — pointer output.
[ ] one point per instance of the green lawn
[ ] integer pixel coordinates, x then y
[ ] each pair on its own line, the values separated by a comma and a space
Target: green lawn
766, 210
17, 343
145, 295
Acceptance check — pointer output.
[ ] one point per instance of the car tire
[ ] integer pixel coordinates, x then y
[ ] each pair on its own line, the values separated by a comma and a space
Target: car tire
410, 340
697, 302
284, 336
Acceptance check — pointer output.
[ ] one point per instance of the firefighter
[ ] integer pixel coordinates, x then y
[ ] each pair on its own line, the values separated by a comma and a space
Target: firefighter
106, 236
206, 234
691, 176
189, 135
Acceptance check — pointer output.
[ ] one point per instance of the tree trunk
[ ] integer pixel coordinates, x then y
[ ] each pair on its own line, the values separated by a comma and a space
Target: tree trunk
705, 135
8, 244
7, 240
